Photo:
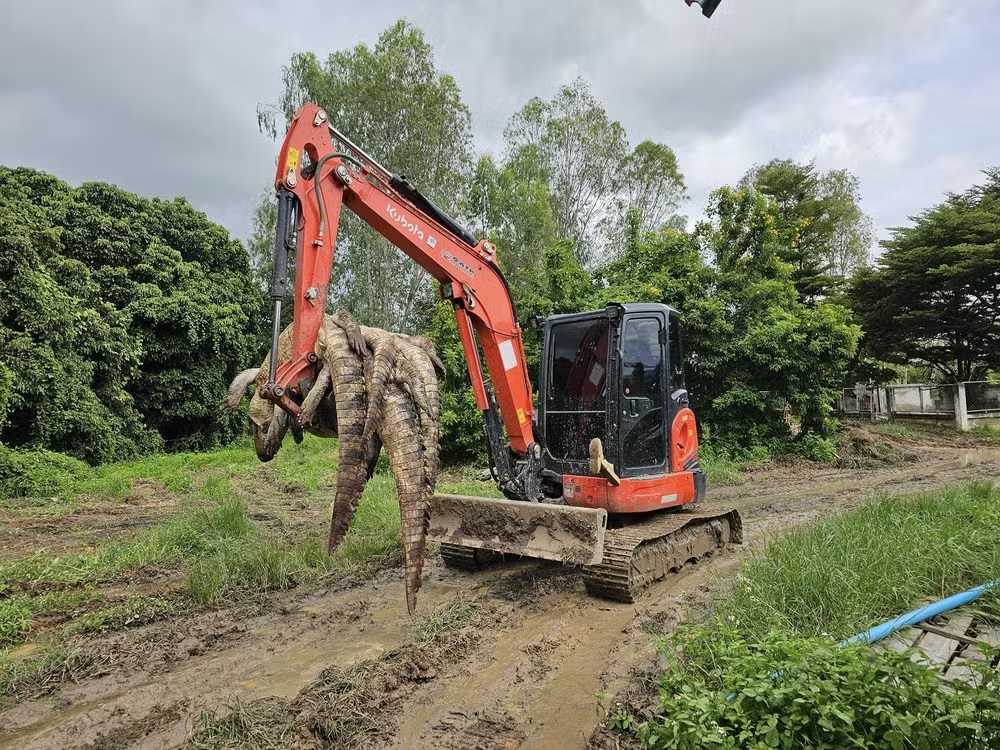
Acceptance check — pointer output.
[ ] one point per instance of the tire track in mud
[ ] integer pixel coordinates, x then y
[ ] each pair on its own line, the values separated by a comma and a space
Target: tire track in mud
531, 681
274, 654
506, 700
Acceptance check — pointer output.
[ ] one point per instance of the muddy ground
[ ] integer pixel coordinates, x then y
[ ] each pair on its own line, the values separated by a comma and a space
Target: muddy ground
338, 665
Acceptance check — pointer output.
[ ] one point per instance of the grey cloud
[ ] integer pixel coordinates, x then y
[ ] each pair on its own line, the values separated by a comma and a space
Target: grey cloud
160, 96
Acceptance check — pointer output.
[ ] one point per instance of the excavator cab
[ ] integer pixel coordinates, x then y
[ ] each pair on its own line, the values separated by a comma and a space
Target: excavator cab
618, 450
616, 375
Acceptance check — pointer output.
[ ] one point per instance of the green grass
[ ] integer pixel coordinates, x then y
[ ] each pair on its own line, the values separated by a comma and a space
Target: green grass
469, 487
724, 467
135, 610
308, 466
762, 669
17, 612
41, 665
985, 432
926, 430
176, 472
185, 535
866, 565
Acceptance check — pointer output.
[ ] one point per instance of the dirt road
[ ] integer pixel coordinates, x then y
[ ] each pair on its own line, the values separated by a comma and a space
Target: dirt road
521, 671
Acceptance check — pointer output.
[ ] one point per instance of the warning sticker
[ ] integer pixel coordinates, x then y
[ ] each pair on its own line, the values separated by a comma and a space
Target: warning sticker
507, 355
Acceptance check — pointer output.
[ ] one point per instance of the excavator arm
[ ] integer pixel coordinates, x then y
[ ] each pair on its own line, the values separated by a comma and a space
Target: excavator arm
319, 173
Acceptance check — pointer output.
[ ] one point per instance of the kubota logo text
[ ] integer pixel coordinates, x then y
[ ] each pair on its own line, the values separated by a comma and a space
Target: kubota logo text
411, 227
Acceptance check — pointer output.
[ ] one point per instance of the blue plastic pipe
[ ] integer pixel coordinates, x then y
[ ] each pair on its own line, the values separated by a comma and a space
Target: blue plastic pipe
926, 612
918, 615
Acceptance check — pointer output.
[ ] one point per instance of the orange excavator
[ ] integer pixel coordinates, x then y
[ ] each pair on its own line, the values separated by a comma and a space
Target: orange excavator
604, 473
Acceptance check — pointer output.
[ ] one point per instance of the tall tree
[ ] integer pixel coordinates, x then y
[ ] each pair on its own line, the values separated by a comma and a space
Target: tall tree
822, 231
571, 141
934, 295
769, 348
393, 102
594, 179
651, 190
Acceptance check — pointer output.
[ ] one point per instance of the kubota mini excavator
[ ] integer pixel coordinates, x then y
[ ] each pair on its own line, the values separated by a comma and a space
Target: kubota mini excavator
604, 473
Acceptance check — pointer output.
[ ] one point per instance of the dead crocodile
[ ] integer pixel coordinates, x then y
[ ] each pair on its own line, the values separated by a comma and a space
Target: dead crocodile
373, 387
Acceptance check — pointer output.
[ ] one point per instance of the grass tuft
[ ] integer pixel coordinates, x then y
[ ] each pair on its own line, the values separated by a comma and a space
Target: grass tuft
863, 566
134, 611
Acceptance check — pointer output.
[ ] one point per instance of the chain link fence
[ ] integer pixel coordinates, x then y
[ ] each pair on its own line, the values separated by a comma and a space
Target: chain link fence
982, 398
924, 401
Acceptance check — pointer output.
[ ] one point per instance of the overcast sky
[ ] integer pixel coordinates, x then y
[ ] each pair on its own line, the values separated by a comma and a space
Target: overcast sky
159, 96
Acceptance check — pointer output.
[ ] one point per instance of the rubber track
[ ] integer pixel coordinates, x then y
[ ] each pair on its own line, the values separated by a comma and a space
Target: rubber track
459, 557
612, 579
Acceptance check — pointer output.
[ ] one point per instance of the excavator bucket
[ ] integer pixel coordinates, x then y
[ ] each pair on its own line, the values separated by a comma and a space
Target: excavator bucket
553, 532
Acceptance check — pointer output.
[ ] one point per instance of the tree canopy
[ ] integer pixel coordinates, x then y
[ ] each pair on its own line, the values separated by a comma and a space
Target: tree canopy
122, 319
393, 101
593, 178
934, 295
824, 235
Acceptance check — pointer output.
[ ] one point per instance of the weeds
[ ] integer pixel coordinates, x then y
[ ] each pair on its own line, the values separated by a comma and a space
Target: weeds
17, 612
724, 466
985, 432
44, 666
184, 535
764, 671
862, 566
719, 689
134, 611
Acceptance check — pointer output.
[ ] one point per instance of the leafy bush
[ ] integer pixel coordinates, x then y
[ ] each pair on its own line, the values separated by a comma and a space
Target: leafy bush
38, 473
815, 447
720, 690
122, 319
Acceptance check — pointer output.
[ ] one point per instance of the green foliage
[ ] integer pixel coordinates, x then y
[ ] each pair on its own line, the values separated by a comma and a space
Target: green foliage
764, 670
122, 319
751, 344
720, 690
592, 180
17, 612
934, 295
35, 668
15, 620
863, 566
393, 101
822, 231
182, 536
38, 473
462, 432
818, 448
724, 465
985, 432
